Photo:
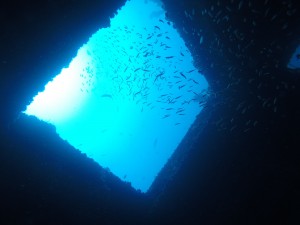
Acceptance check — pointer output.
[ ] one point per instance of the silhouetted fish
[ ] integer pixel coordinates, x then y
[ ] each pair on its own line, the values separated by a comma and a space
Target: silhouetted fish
106, 96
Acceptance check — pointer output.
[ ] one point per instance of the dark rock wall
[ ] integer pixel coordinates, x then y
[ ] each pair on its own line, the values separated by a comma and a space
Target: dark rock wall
243, 168
39, 38
43, 179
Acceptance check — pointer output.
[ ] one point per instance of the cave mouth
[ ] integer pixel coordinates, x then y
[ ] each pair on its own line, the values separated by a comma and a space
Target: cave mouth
129, 96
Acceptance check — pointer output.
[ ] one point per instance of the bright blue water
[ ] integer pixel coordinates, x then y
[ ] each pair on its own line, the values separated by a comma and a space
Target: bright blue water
294, 62
129, 96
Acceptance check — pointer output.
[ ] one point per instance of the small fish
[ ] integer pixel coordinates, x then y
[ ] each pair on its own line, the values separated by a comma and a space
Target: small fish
201, 40
182, 75
181, 86
179, 111
240, 4
157, 76
137, 93
165, 116
149, 37
191, 71
106, 96
195, 81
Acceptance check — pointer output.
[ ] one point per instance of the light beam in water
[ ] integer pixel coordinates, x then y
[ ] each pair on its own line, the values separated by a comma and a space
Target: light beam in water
129, 96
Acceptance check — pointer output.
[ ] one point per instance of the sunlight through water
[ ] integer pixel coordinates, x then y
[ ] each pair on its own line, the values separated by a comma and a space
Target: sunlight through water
129, 96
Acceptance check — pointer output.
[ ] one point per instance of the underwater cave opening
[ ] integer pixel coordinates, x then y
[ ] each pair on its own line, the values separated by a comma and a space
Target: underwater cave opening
129, 96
